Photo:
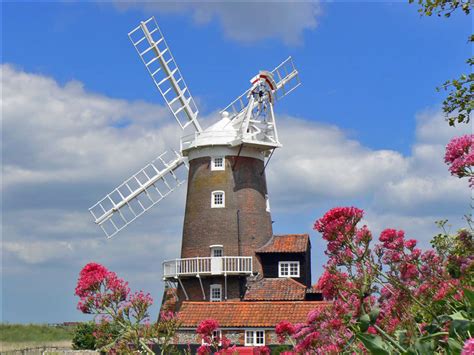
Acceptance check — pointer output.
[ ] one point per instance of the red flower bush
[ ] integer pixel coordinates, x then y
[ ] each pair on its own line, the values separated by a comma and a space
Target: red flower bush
381, 292
123, 317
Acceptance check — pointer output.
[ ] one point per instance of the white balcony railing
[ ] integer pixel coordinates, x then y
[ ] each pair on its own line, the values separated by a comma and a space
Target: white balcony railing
224, 265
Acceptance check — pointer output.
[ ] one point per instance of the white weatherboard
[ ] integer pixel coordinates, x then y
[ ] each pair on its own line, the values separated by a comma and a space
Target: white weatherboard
247, 122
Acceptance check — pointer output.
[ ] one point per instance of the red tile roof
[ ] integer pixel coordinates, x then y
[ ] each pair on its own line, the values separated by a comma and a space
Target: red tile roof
246, 314
281, 289
288, 243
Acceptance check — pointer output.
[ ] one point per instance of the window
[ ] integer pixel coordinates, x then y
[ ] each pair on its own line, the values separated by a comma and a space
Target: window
289, 269
216, 334
267, 200
254, 337
217, 163
217, 250
216, 293
218, 199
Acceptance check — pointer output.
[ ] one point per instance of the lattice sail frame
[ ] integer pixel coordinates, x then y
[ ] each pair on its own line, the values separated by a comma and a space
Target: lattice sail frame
286, 78
244, 112
152, 48
138, 194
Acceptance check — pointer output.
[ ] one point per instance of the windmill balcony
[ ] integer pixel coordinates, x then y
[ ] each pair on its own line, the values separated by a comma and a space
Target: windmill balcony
207, 266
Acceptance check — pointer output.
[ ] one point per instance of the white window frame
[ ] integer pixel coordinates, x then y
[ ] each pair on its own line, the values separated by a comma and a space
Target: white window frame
213, 194
217, 247
253, 335
215, 333
288, 264
267, 202
215, 287
213, 164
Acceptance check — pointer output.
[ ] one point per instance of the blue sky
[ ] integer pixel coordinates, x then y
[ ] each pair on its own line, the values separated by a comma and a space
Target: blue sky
365, 128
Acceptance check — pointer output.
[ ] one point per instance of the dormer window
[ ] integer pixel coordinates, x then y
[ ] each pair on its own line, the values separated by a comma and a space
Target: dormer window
217, 199
217, 163
289, 269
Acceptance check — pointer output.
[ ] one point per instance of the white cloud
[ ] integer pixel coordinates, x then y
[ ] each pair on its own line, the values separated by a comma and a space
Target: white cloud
56, 134
245, 21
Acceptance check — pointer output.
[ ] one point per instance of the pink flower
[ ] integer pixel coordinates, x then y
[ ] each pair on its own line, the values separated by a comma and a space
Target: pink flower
410, 244
98, 288
371, 330
408, 271
468, 348
460, 157
331, 282
338, 221
167, 315
283, 330
206, 327
90, 277
203, 350
262, 350
225, 342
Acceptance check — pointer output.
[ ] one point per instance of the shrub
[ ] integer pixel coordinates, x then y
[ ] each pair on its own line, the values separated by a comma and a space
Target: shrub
84, 338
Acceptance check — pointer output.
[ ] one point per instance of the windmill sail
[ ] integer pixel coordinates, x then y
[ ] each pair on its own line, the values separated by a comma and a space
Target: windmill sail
137, 194
156, 55
286, 78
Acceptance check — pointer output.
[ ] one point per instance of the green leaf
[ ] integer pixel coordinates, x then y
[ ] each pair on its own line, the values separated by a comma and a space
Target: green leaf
373, 315
470, 296
425, 347
457, 316
373, 343
364, 322
454, 346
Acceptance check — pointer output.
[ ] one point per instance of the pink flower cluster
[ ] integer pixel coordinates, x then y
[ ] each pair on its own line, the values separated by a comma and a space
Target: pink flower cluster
338, 227
468, 348
460, 157
136, 306
99, 288
387, 283
205, 329
283, 330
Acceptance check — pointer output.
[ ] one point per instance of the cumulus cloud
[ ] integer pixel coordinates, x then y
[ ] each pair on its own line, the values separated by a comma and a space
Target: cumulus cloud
65, 147
245, 21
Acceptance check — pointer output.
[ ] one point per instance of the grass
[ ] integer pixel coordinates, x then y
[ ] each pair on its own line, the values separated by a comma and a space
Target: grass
35, 333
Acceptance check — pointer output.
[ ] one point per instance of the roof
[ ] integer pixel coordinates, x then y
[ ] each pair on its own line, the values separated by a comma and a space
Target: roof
313, 289
288, 243
246, 314
277, 289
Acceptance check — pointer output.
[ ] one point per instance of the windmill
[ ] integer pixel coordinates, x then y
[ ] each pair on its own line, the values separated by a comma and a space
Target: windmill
248, 121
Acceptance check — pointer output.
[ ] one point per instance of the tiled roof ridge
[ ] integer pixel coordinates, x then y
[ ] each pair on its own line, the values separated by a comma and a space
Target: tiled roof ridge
297, 282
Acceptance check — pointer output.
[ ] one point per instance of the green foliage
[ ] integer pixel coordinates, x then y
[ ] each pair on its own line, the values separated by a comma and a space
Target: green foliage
277, 350
34, 332
460, 100
83, 337
374, 343
442, 7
